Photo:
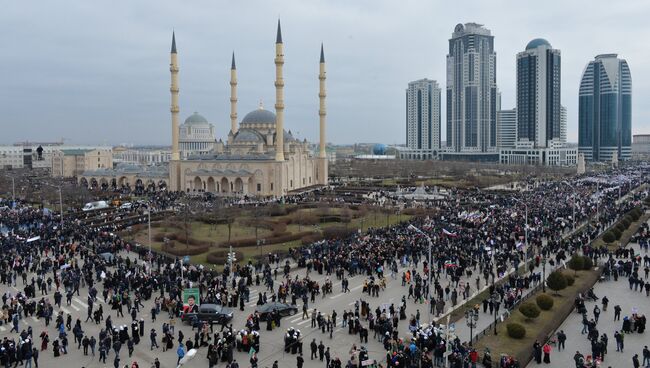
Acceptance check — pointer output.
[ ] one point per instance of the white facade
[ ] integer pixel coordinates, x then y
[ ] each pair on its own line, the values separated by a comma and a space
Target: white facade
423, 117
554, 156
26, 155
506, 128
141, 156
196, 136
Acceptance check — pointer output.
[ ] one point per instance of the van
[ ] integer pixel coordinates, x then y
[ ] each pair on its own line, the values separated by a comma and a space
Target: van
98, 205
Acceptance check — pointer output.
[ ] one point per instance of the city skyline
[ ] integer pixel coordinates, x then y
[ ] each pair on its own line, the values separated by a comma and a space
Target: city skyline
96, 78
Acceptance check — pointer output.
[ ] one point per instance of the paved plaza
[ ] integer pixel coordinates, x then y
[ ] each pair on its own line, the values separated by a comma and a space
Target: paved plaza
618, 293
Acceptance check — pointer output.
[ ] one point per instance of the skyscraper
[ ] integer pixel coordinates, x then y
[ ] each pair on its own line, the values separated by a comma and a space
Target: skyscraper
471, 94
540, 118
605, 109
423, 117
538, 95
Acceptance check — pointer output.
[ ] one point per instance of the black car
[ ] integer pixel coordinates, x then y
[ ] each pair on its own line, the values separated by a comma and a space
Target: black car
282, 308
210, 313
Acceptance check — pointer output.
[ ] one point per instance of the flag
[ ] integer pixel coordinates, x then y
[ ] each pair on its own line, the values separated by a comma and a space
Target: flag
449, 264
448, 233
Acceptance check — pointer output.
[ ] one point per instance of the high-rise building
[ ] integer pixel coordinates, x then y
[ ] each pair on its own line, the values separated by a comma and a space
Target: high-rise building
423, 119
506, 128
540, 116
538, 95
471, 94
605, 109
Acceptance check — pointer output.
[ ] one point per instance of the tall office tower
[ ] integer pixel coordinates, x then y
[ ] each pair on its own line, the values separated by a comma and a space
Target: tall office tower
471, 94
506, 128
538, 95
423, 115
605, 109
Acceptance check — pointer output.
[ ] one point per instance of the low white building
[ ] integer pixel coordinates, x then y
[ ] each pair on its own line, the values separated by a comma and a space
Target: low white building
551, 156
35, 155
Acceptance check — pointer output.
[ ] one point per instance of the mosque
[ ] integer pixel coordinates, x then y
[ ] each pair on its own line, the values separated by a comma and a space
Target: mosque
259, 157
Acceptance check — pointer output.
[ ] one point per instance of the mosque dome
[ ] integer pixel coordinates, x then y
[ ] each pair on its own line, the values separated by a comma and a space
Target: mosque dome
259, 116
537, 43
196, 118
247, 135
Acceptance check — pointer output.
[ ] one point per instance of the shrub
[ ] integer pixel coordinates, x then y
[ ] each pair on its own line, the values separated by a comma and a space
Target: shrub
181, 250
556, 281
221, 256
609, 237
620, 227
570, 280
516, 331
588, 263
312, 238
337, 232
626, 221
544, 301
577, 263
617, 233
529, 310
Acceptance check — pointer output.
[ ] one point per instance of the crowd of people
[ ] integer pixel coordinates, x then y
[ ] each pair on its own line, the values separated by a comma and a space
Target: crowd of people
478, 236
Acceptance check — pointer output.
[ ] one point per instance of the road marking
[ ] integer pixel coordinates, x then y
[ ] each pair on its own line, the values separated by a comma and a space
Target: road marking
336, 296
74, 307
80, 302
303, 322
2, 328
296, 320
351, 303
356, 287
65, 310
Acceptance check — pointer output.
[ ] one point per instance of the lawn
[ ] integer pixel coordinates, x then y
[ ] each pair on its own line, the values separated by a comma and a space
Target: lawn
213, 235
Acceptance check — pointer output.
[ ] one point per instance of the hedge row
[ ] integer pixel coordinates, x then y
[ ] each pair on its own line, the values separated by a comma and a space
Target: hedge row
181, 250
617, 230
221, 257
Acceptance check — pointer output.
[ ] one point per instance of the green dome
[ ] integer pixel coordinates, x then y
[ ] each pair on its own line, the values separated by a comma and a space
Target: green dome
537, 43
196, 118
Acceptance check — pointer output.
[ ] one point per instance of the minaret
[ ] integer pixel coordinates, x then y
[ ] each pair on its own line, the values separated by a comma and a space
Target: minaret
321, 111
279, 97
173, 68
233, 96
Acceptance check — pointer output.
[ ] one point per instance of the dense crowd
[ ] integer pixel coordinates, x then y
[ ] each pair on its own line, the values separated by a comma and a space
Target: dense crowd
477, 236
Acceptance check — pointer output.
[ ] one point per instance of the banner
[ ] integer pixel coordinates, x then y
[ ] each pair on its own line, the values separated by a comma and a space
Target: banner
191, 297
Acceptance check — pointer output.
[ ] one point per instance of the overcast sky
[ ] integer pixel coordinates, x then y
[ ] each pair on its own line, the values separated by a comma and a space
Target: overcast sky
98, 71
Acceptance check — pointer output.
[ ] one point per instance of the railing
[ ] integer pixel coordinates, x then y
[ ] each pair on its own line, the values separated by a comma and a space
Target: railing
528, 295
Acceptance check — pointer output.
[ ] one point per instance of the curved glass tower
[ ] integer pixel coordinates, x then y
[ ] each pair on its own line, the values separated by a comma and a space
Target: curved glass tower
605, 109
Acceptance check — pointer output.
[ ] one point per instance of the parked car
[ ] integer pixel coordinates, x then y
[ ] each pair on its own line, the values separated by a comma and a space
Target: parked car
98, 205
126, 206
210, 313
282, 308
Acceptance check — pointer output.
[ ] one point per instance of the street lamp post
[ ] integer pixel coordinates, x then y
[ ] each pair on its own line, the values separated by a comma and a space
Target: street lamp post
525, 230
544, 274
430, 263
495, 300
471, 317
150, 255
575, 194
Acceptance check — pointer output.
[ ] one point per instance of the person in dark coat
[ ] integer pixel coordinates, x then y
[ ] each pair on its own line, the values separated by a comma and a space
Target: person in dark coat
537, 352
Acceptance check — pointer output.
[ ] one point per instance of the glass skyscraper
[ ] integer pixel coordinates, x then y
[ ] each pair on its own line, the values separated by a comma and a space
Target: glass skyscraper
539, 115
471, 93
605, 109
